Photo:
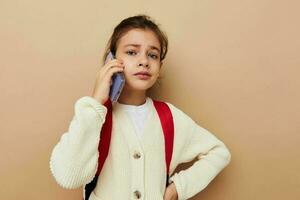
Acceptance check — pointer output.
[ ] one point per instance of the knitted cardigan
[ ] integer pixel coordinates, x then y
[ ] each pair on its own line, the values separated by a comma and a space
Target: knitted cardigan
74, 159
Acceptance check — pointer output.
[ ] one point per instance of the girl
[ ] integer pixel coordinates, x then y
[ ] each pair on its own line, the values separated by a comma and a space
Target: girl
135, 165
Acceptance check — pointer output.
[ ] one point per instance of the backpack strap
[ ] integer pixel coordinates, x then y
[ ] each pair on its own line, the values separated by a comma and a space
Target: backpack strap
105, 137
166, 120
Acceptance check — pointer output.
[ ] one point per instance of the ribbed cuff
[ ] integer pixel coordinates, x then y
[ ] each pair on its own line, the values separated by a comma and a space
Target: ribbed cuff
68, 179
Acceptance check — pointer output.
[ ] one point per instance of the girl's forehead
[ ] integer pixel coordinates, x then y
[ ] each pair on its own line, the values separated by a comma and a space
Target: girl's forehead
139, 37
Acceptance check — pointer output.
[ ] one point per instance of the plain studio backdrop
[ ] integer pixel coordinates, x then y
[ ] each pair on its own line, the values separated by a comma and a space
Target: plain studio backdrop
233, 66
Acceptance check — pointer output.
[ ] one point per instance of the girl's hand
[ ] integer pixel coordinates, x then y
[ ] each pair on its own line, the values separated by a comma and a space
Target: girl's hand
171, 193
104, 81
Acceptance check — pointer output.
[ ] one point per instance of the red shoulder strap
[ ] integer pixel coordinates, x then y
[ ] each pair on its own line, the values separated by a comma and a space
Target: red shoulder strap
105, 137
166, 119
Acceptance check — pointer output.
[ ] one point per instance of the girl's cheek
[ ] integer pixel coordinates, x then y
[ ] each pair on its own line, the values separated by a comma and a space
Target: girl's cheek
125, 70
127, 65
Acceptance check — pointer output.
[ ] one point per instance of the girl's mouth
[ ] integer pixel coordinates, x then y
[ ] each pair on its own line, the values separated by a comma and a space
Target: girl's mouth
142, 76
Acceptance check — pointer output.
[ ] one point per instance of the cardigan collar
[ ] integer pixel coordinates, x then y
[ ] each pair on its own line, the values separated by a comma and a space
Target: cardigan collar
151, 126
147, 104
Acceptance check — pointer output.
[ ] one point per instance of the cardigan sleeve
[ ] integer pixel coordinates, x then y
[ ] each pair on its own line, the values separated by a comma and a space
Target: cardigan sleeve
211, 153
74, 159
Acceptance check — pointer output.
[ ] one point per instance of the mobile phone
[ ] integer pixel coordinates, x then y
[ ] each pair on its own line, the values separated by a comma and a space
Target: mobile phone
118, 81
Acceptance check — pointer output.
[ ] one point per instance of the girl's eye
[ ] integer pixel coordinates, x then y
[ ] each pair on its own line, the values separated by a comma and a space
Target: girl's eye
130, 52
153, 56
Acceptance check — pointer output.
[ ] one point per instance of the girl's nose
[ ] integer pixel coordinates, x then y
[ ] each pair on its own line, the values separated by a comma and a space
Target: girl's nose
143, 61
143, 65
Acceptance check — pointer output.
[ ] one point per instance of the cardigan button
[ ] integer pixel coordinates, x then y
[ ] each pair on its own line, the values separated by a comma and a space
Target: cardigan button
136, 155
137, 194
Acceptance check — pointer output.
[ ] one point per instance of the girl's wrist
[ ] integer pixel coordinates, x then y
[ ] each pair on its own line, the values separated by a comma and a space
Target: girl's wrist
99, 99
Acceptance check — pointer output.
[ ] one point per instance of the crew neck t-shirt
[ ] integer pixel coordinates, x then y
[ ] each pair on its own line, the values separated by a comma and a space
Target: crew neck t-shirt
138, 115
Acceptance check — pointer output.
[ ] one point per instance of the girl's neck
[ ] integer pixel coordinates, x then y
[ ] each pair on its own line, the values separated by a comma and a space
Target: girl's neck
130, 97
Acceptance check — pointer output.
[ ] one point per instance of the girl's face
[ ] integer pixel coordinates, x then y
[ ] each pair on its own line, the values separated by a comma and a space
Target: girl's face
140, 52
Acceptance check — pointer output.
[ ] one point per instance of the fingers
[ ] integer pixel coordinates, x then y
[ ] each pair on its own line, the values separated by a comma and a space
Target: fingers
113, 70
112, 64
104, 78
109, 65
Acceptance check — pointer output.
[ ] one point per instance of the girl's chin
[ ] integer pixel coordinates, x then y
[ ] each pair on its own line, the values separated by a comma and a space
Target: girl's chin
139, 86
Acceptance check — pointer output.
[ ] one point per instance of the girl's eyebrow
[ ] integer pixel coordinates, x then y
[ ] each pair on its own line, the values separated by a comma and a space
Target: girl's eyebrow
137, 45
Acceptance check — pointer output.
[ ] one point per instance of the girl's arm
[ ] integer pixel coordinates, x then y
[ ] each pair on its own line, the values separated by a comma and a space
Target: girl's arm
74, 159
211, 153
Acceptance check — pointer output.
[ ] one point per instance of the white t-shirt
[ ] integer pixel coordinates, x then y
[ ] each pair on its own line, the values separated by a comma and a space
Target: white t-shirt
138, 115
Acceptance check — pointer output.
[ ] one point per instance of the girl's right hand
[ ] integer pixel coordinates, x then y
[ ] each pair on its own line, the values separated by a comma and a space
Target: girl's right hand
104, 79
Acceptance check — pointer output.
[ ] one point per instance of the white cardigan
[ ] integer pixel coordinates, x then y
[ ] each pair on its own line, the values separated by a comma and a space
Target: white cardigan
74, 158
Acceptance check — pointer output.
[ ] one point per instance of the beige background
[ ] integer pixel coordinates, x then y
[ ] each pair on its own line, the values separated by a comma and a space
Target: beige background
233, 66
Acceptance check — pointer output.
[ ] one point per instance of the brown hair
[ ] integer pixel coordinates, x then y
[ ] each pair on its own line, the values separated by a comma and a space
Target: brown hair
139, 21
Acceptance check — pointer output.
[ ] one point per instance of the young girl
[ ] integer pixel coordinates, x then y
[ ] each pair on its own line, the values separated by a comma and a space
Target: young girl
135, 166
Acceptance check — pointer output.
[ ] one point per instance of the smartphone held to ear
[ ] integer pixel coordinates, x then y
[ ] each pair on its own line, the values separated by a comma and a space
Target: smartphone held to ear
118, 81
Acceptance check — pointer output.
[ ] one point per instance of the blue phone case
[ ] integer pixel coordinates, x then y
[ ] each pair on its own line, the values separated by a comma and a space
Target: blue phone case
118, 81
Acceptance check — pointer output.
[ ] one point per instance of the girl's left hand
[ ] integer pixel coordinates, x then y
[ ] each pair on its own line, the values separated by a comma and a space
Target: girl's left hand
171, 193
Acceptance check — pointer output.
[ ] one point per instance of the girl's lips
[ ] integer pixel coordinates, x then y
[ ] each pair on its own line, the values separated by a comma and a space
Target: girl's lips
142, 73
142, 76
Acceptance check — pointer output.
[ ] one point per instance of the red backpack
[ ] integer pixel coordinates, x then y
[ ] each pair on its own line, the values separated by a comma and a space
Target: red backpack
166, 120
